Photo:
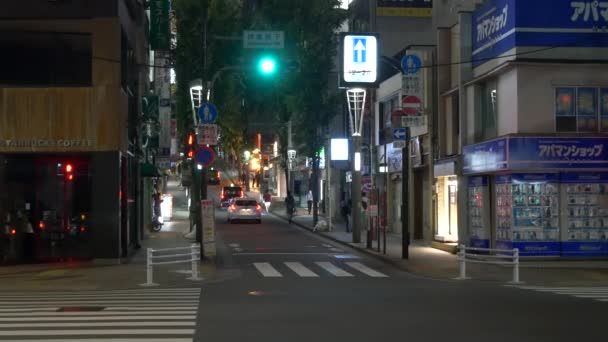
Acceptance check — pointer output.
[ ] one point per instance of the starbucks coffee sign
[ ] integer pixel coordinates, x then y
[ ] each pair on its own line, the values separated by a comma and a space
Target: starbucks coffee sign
34, 143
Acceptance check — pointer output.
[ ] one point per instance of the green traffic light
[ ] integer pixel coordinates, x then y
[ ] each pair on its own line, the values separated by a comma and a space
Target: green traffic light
267, 65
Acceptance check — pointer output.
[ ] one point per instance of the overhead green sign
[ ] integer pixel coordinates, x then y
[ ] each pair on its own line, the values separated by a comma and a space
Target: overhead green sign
160, 33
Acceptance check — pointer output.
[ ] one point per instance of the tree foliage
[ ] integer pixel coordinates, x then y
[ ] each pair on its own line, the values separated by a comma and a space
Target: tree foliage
199, 55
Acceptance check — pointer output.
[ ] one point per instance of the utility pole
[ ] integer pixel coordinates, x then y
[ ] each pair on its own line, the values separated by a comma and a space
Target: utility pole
405, 190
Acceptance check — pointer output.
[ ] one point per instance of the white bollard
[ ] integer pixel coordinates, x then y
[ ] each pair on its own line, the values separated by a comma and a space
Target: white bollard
149, 270
515, 266
462, 252
195, 254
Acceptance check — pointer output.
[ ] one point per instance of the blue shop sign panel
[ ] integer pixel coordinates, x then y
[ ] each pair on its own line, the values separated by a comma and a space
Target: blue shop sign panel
537, 248
558, 153
486, 156
536, 153
501, 25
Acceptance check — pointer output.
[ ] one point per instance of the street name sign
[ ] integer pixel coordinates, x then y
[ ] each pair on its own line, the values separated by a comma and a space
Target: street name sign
263, 39
359, 60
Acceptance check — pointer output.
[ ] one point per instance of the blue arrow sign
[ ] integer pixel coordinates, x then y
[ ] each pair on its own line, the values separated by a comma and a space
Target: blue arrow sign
359, 50
207, 113
411, 64
399, 134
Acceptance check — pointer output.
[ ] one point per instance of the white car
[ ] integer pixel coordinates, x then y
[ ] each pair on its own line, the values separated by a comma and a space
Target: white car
244, 209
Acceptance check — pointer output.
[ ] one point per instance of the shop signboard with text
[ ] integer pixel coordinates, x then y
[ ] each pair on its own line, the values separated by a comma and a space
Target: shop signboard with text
536, 153
499, 26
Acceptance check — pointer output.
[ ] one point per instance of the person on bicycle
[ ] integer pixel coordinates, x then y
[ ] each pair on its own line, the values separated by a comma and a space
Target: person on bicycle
290, 204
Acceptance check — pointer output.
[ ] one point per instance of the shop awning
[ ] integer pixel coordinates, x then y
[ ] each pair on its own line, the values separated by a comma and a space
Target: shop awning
149, 170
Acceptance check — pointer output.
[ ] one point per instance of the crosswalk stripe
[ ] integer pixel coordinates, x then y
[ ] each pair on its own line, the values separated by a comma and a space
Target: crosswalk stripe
300, 269
366, 270
135, 296
267, 270
596, 293
48, 318
114, 340
117, 316
97, 332
95, 324
97, 302
331, 268
106, 309
88, 313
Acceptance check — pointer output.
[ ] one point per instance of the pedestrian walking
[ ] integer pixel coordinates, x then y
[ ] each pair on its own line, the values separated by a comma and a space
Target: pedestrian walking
267, 200
345, 212
309, 201
290, 204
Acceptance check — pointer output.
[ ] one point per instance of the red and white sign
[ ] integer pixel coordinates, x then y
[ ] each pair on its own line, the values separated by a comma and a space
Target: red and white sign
411, 105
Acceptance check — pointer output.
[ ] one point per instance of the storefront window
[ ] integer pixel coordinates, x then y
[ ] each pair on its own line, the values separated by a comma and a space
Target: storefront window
53, 195
447, 209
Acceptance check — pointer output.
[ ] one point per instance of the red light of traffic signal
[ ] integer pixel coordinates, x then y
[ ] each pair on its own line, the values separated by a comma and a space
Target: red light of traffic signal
68, 168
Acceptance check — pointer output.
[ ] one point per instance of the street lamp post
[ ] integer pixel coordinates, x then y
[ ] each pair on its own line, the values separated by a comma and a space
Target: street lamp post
356, 105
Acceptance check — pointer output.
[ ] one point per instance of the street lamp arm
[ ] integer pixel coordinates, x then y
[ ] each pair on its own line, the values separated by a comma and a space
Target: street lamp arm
217, 74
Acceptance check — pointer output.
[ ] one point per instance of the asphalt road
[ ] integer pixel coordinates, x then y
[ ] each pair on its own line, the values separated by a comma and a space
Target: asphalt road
291, 285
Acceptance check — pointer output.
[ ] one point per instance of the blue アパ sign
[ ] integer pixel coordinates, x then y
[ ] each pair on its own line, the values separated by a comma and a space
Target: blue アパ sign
411, 64
399, 134
207, 113
205, 156
501, 25
558, 153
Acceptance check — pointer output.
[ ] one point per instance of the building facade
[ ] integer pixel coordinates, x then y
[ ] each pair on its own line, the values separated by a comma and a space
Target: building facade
70, 95
524, 124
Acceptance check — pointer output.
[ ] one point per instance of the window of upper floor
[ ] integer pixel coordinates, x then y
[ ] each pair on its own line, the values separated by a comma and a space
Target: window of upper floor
486, 110
45, 59
581, 109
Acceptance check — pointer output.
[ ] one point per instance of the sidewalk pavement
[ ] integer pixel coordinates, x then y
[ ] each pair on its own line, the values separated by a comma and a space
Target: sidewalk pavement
115, 274
430, 262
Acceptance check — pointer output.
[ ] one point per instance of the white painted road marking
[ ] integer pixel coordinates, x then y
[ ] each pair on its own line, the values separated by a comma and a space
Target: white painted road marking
329, 267
117, 340
300, 269
366, 270
599, 294
118, 316
97, 332
267, 270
